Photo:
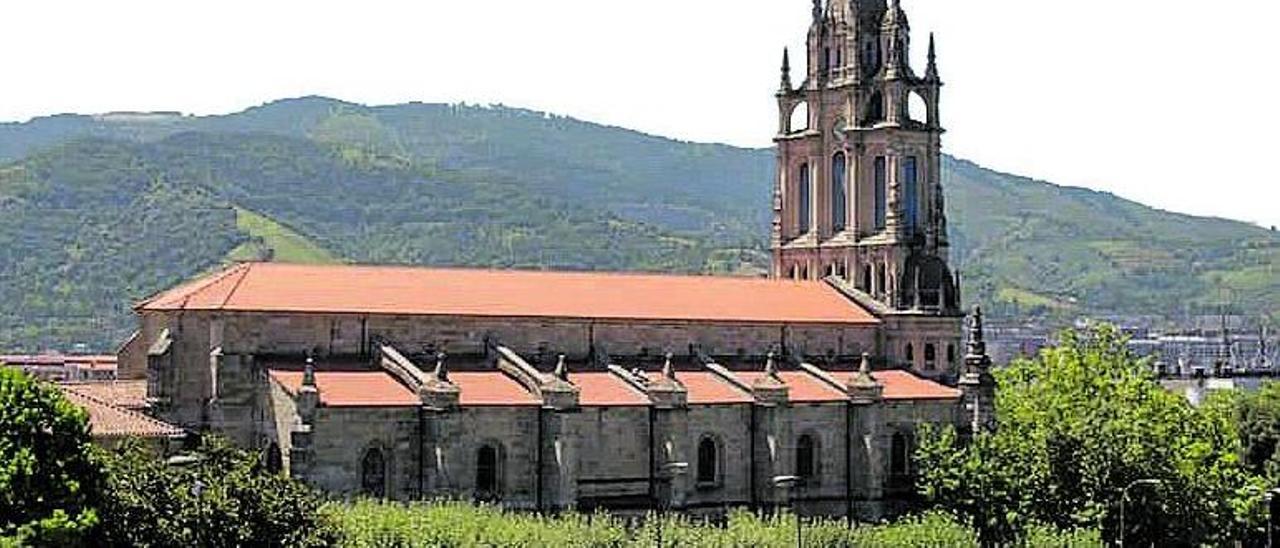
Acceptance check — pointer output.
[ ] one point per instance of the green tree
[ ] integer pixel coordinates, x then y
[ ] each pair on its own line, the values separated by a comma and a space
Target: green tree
49, 477
1077, 426
237, 503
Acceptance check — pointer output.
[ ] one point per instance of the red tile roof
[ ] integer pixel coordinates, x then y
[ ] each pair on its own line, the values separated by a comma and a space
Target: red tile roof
490, 389
126, 394
352, 388
109, 421
904, 385
602, 389
275, 287
804, 388
707, 388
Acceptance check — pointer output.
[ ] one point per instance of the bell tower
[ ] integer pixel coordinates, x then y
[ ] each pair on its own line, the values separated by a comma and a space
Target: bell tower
858, 194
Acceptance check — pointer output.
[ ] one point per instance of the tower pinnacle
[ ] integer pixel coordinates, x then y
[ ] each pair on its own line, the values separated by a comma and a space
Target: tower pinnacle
786, 70
931, 71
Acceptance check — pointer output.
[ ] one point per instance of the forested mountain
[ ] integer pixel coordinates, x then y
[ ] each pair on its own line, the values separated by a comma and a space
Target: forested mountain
98, 211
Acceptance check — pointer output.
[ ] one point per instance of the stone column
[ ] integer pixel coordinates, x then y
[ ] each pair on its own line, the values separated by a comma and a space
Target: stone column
867, 478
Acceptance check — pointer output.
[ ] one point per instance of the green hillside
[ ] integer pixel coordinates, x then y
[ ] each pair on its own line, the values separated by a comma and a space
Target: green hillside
100, 211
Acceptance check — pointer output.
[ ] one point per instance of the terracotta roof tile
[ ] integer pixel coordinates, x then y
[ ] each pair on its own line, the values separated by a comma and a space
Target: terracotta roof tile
274, 287
601, 389
109, 421
804, 388
352, 388
904, 385
126, 394
707, 388
491, 389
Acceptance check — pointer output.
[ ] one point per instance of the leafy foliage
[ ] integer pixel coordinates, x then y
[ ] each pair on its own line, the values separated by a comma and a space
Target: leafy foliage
48, 476
151, 504
1078, 426
101, 211
369, 524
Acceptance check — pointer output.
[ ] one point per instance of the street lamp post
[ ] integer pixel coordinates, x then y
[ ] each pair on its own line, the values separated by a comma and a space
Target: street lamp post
789, 484
666, 476
1124, 498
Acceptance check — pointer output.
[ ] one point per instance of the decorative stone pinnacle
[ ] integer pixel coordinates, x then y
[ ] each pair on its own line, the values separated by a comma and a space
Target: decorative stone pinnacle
771, 366
669, 370
786, 69
817, 9
309, 372
442, 371
931, 71
977, 347
864, 367
562, 370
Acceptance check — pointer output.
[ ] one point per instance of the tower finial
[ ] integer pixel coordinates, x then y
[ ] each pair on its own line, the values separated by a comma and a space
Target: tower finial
442, 370
786, 70
771, 366
669, 370
931, 72
817, 10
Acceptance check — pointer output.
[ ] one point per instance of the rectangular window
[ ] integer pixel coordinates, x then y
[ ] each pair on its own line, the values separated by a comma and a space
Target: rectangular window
911, 191
881, 193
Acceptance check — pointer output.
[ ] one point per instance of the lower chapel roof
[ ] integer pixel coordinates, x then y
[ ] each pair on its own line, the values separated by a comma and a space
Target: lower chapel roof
348, 289
341, 386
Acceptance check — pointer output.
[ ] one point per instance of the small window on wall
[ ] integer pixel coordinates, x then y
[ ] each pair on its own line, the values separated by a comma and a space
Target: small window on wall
373, 473
708, 462
930, 357
951, 354
911, 354
900, 460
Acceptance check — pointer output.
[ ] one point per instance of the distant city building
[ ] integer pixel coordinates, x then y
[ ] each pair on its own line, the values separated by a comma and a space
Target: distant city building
65, 368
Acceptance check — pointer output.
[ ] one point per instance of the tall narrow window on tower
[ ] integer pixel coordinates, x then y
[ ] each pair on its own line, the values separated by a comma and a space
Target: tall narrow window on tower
839, 197
911, 189
881, 194
805, 199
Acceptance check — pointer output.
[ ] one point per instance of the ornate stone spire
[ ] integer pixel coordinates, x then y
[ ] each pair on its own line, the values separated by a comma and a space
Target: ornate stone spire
441, 372
669, 370
977, 385
977, 346
817, 10
863, 388
931, 71
771, 367
562, 370
894, 17
786, 71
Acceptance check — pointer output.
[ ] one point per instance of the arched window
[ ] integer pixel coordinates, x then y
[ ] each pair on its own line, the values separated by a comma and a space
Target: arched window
917, 108
866, 278
900, 460
874, 110
951, 354
799, 119
487, 473
806, 458
805, 199
273, 461
839, 189
708, 462
911, 354
910, 190
881, 191
930, 356
373, 473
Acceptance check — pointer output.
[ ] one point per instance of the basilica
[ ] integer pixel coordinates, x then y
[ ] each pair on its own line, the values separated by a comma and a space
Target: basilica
570, 390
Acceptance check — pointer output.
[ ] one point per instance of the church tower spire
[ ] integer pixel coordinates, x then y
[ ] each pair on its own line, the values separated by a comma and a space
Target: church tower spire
858, 195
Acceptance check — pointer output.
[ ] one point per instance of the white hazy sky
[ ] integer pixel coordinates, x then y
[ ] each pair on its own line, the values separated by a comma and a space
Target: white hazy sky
1168, 103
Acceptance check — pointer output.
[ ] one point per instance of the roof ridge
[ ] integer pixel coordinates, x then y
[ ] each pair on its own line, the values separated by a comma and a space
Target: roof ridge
244, 274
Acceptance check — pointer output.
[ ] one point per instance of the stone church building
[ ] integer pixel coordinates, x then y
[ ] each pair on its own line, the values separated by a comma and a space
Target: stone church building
556, 390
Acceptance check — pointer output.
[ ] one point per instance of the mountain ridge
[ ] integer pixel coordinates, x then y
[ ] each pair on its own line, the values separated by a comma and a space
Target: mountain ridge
501, 187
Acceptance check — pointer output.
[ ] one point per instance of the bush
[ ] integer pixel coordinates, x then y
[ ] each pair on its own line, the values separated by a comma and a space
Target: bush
49, 477
155, 505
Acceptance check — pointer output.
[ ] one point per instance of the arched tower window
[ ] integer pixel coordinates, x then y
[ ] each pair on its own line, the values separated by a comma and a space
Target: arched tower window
373, 473
806, 458
930, 357
911, 353
488, 473
911, 191
951, 355
881, 191
806, 195
708, 462
839, 189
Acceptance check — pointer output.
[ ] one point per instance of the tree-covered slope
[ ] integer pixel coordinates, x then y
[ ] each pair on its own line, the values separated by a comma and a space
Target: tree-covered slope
98, 211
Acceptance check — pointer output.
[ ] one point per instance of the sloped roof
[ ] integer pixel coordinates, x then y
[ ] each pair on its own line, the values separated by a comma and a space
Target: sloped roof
276, 287
803, 387
904, 385
352, 388
707, 388
490, 389
604, 389
127, 394
109, 421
